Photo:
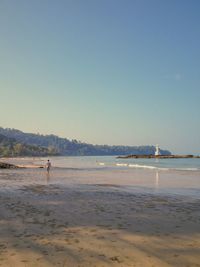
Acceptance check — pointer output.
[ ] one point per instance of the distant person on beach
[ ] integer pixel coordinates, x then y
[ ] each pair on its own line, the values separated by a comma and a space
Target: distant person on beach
48, 165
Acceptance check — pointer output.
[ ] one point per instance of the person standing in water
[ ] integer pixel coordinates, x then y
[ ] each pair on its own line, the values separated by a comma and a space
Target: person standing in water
48, 165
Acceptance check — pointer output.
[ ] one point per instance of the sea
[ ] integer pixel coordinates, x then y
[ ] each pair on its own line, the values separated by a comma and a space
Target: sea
154, 176
113, 162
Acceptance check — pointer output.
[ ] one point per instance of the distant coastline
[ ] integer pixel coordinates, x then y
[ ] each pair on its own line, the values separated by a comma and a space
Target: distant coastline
15, 143
158, 156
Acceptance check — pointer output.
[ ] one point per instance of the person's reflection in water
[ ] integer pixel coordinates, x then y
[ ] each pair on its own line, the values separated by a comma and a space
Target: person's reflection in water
47, 177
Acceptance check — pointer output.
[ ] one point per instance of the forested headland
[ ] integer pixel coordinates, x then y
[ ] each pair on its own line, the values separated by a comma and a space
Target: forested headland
17, 143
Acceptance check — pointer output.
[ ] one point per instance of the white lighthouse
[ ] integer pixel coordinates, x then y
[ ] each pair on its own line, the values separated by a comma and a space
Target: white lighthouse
157, 152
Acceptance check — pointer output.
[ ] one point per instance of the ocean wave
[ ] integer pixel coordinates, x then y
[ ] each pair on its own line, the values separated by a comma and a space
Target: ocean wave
143, 166
186, 169
150, 167
101, 163
162, 168
121, 164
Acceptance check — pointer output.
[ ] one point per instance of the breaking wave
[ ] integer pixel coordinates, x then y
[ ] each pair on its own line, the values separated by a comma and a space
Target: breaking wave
149, 167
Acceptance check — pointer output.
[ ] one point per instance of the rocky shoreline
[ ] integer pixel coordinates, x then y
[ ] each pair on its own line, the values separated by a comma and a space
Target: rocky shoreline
4, 165
158, 157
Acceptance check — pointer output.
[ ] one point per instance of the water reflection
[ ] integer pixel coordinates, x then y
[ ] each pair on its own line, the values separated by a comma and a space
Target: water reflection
47, 177
157, 180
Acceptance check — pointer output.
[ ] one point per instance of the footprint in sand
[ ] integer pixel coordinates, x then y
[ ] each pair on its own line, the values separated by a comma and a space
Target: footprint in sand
116, 259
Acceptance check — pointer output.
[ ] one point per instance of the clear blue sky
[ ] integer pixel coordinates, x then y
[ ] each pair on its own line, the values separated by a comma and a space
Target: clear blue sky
103, 71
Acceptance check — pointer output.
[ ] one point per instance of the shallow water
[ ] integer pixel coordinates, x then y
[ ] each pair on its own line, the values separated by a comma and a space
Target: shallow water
109, 172
190, 164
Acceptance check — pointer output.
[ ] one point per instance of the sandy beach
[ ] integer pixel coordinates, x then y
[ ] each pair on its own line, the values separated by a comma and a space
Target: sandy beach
44, 222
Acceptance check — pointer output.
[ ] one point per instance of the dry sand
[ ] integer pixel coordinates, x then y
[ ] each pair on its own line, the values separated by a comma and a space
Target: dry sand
96, 225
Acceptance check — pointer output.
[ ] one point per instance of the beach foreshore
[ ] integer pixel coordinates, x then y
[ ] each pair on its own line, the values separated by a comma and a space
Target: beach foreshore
97, 224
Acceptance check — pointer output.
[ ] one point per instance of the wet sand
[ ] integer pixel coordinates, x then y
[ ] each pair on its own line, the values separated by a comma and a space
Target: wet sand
44, 222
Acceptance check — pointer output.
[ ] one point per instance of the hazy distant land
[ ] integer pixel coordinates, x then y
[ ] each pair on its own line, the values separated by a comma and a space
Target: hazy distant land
17, 143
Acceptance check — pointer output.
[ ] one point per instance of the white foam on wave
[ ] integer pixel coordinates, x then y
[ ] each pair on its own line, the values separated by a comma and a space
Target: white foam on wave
185, 169
142, 166
161, 168
121, 164
150, 167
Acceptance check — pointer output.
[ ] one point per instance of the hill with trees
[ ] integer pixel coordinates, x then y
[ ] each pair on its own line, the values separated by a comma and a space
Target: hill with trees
10, 147
55, 145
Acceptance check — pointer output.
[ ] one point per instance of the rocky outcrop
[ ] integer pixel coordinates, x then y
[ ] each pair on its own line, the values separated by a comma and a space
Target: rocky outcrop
158, 156
4, 165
